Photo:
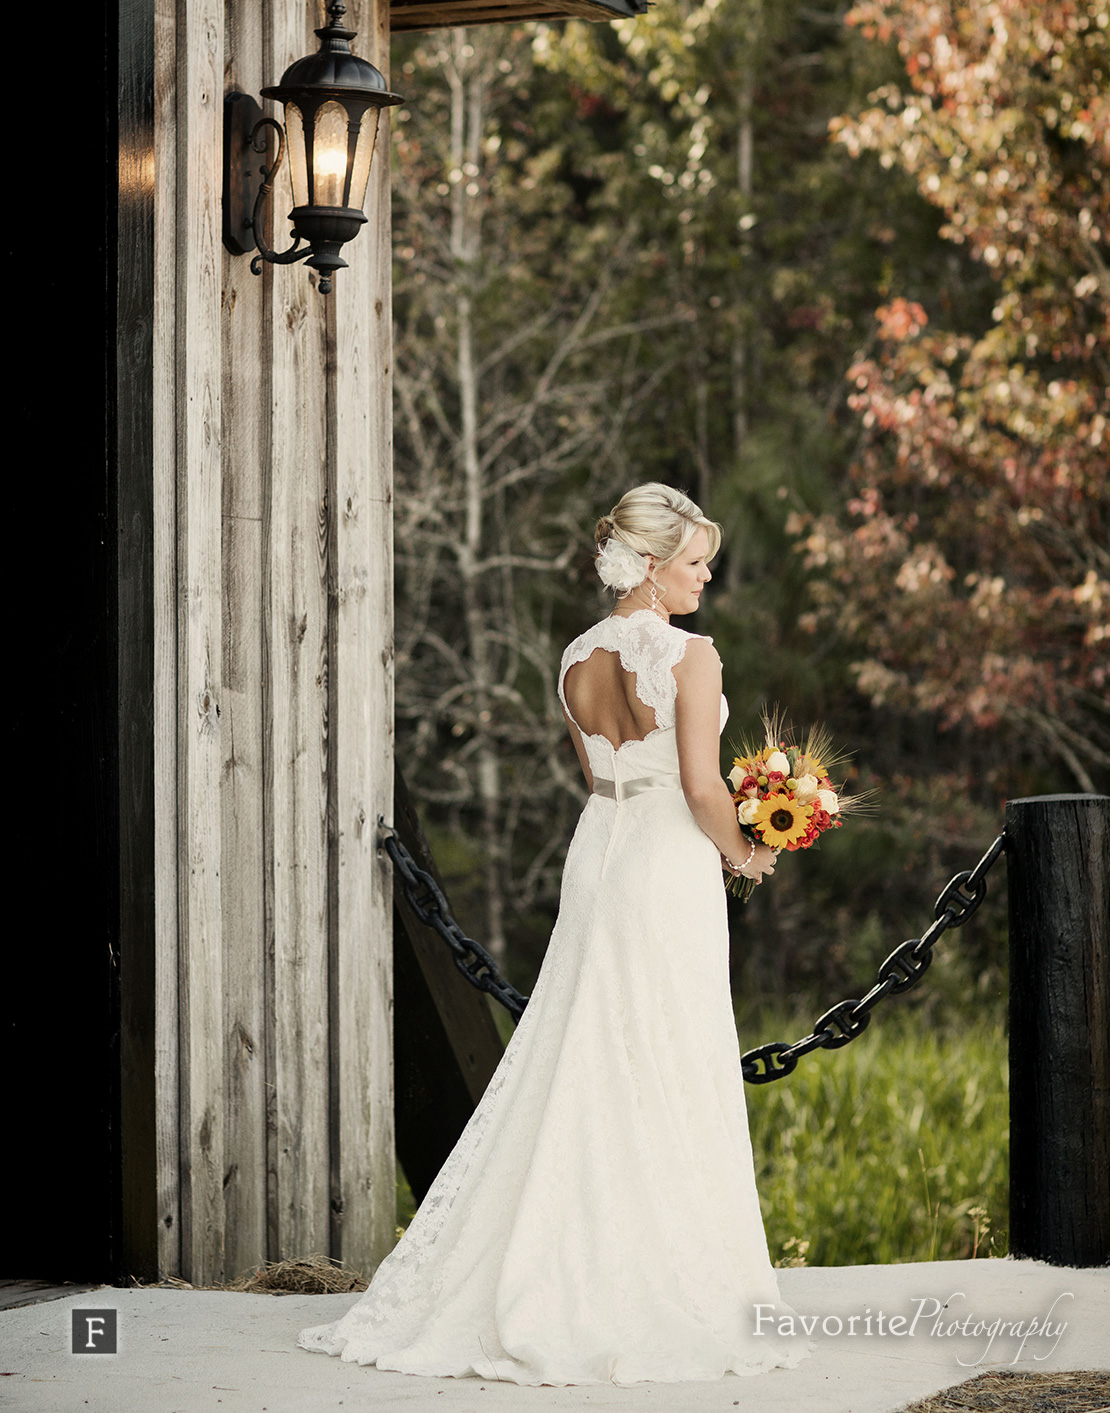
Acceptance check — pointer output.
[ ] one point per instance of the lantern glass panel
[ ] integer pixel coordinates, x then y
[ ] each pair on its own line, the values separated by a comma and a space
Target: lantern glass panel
298, 167
364, 152
329, 155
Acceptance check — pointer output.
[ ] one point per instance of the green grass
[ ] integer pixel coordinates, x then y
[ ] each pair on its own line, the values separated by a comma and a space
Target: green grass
893, 1148
406, 1203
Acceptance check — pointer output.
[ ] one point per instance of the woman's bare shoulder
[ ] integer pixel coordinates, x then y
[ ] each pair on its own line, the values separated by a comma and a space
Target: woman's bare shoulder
699, 659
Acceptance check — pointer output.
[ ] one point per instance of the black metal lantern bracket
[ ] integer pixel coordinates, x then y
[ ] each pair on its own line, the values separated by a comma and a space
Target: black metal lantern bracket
333, 101
247, 184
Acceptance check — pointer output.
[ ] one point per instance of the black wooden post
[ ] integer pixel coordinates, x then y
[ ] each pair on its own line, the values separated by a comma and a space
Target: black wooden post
1058, 868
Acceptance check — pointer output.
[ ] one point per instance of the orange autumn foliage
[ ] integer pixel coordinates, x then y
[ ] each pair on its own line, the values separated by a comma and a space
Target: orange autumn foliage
972, 565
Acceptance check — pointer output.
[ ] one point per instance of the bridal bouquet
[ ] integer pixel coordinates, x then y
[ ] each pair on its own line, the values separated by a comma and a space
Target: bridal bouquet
782, 791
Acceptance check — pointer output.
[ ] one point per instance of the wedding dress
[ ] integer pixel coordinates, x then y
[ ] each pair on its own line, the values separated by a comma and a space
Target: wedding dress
597, 1220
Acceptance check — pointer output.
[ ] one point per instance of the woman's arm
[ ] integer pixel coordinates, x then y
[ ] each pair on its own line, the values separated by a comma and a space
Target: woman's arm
697, 733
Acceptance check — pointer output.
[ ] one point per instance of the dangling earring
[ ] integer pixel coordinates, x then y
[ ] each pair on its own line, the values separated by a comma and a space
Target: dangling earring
654, 593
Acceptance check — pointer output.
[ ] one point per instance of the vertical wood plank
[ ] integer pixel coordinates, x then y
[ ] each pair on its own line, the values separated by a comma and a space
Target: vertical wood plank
360, 399
139, 566
199, 587
243, 882
164, 475
296, 632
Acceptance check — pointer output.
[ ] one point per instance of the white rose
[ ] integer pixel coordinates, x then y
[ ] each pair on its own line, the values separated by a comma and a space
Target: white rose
806, 792
777, 761
829, 803
747, 812
619, 567
736, 776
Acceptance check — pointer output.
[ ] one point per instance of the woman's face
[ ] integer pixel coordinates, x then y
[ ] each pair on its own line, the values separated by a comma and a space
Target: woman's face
685, 576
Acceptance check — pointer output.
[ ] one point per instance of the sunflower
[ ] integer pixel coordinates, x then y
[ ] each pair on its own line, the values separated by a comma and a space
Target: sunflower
781, 820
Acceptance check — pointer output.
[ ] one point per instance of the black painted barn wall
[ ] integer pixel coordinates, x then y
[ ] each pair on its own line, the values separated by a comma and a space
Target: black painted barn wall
59, 1010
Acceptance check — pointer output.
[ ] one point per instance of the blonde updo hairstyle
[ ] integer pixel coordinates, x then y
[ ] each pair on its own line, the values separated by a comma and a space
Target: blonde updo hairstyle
657, 520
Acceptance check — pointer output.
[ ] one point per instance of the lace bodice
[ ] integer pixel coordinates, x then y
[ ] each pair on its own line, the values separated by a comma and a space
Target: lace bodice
650, 648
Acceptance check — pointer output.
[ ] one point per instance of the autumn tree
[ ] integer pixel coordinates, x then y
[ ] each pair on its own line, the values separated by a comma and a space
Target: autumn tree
973, 566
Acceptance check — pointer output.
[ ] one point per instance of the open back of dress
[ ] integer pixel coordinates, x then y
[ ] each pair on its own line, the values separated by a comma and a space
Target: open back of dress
627, 694
597, 1220
601, 699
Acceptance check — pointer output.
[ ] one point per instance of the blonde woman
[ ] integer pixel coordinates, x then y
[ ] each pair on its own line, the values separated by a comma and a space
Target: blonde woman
598, 1220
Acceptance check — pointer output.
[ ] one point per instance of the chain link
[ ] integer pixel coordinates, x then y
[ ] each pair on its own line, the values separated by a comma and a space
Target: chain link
839, 1025
425, 898
904, 968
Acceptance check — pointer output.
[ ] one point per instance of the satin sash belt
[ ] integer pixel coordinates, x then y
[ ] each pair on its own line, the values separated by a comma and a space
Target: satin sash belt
624, 789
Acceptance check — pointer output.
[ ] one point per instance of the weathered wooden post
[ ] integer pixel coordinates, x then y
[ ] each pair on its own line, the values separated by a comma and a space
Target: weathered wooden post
1058, 865
253, 711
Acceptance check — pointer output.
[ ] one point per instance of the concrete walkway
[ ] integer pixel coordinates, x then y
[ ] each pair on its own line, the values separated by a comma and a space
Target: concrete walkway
186, 1351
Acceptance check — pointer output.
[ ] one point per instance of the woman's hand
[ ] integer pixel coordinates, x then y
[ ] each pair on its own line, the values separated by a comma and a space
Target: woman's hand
762, 861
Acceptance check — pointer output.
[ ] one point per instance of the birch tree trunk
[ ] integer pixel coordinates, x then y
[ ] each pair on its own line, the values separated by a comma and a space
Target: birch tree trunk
740, 340
468, 121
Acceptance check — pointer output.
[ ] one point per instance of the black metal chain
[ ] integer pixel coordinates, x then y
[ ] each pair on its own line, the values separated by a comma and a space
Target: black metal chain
903, 969
425, 898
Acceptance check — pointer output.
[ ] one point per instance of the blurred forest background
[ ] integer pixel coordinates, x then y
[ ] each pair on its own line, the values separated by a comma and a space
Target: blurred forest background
841, 274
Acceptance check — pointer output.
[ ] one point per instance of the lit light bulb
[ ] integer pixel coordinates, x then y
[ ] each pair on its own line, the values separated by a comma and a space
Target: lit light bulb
331, 171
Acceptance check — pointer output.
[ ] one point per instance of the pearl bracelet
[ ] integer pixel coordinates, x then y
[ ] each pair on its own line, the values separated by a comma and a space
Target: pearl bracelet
738, 868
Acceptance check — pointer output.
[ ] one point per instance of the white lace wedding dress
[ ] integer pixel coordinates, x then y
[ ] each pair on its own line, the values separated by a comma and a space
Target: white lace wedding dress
597, 1220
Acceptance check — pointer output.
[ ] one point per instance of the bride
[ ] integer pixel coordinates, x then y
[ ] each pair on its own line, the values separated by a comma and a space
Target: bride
597, 1220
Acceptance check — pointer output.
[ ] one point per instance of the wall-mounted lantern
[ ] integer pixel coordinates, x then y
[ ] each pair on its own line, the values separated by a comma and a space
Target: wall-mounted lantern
333, 102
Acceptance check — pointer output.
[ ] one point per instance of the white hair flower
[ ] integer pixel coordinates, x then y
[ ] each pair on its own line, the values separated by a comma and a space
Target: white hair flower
619, 566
